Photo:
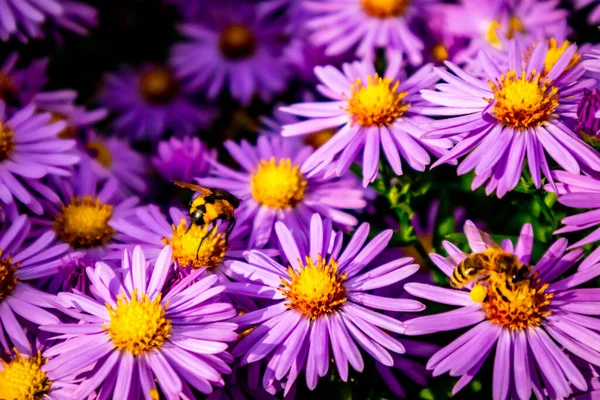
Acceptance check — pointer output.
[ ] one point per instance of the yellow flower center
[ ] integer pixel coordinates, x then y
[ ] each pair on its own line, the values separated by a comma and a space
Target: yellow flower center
377, 104
439, 52
236, 42
7, 87
8, 277
158, 86
319, 138
100, 152
185, 245
385, 8
525, 101
555, 52
278, 184
315, 290
411, 251
523, 307
7, 141
68, 132
491, 34
23, 379
84, 223
138, 326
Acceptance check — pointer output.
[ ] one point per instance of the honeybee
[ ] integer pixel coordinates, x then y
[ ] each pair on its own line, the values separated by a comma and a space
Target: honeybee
493, 260
211, 205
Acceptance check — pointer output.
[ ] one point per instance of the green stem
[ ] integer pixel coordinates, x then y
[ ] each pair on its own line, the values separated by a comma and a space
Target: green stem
547, 211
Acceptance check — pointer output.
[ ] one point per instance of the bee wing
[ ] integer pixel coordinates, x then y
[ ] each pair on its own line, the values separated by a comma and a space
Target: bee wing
196, 188
478, 240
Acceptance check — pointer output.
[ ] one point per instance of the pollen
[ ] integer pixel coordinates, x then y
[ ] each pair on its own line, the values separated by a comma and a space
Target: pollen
100, 152
7, 141
83, 223
8, 277
385, 8
378, 103
555, 52
491, 34
519, 309
23, 379
7, 87
278, 184
138, 325
158, 86
315, 290
197, 247
237, 42
525, 101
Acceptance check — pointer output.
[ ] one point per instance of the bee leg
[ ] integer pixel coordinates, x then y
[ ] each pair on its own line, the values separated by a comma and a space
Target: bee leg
228, 231
200, 245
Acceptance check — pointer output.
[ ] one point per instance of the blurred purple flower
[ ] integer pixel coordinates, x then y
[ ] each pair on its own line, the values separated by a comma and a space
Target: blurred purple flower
272, 188
534, 327
132, 323
149, 102
594, 15
321, 298
184, 159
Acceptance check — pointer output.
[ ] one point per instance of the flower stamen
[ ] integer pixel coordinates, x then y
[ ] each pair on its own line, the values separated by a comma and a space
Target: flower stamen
555, 52
237, 42
158, 86
7, 141
185, 244
100, 152
23, 379
8, 277
84, 223
385, 8
278, 184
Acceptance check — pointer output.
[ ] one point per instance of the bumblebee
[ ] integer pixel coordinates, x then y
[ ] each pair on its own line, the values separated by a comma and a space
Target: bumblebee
494, 260
211, 205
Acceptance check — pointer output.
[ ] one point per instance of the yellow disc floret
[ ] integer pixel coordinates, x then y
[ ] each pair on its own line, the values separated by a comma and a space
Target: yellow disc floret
236, 42
7, 141
378, 103
185, 245
8, 277
158, 86
83, 223
138, 326
315, 289
100, 152
277, 183
318, 139
491, 33
440, 52
23, 379
385, 8
521, 308
523, 101
555, 52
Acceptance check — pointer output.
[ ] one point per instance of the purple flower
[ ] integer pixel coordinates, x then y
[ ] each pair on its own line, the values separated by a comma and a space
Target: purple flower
184, 159
22, 259
534, 326
321, 298
25, 19
594, 16
519, 113
579, 191
373, 112
19, 85
83, 208
588, 117
367, 25
29, 150
233, 46
114, 158
272, 188
151, 101
137, 332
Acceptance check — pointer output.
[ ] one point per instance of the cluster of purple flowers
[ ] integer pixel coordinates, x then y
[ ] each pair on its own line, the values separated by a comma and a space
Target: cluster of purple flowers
110, 287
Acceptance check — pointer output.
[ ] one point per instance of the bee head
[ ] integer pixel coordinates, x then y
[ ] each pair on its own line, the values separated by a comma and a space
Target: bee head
521, 274
196, 217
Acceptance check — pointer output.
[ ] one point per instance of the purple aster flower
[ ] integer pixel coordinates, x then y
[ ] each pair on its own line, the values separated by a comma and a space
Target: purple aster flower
23, 376
20, 84
373, 112
272, 188
25, 19
151, 101
138, 332
83, 208
22, 307
184, 159
594, 15
534, 326
588, 117
114, 158
320, 299
519, 113
367, 25
490, 24
29, 150
233, 46
579, 191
